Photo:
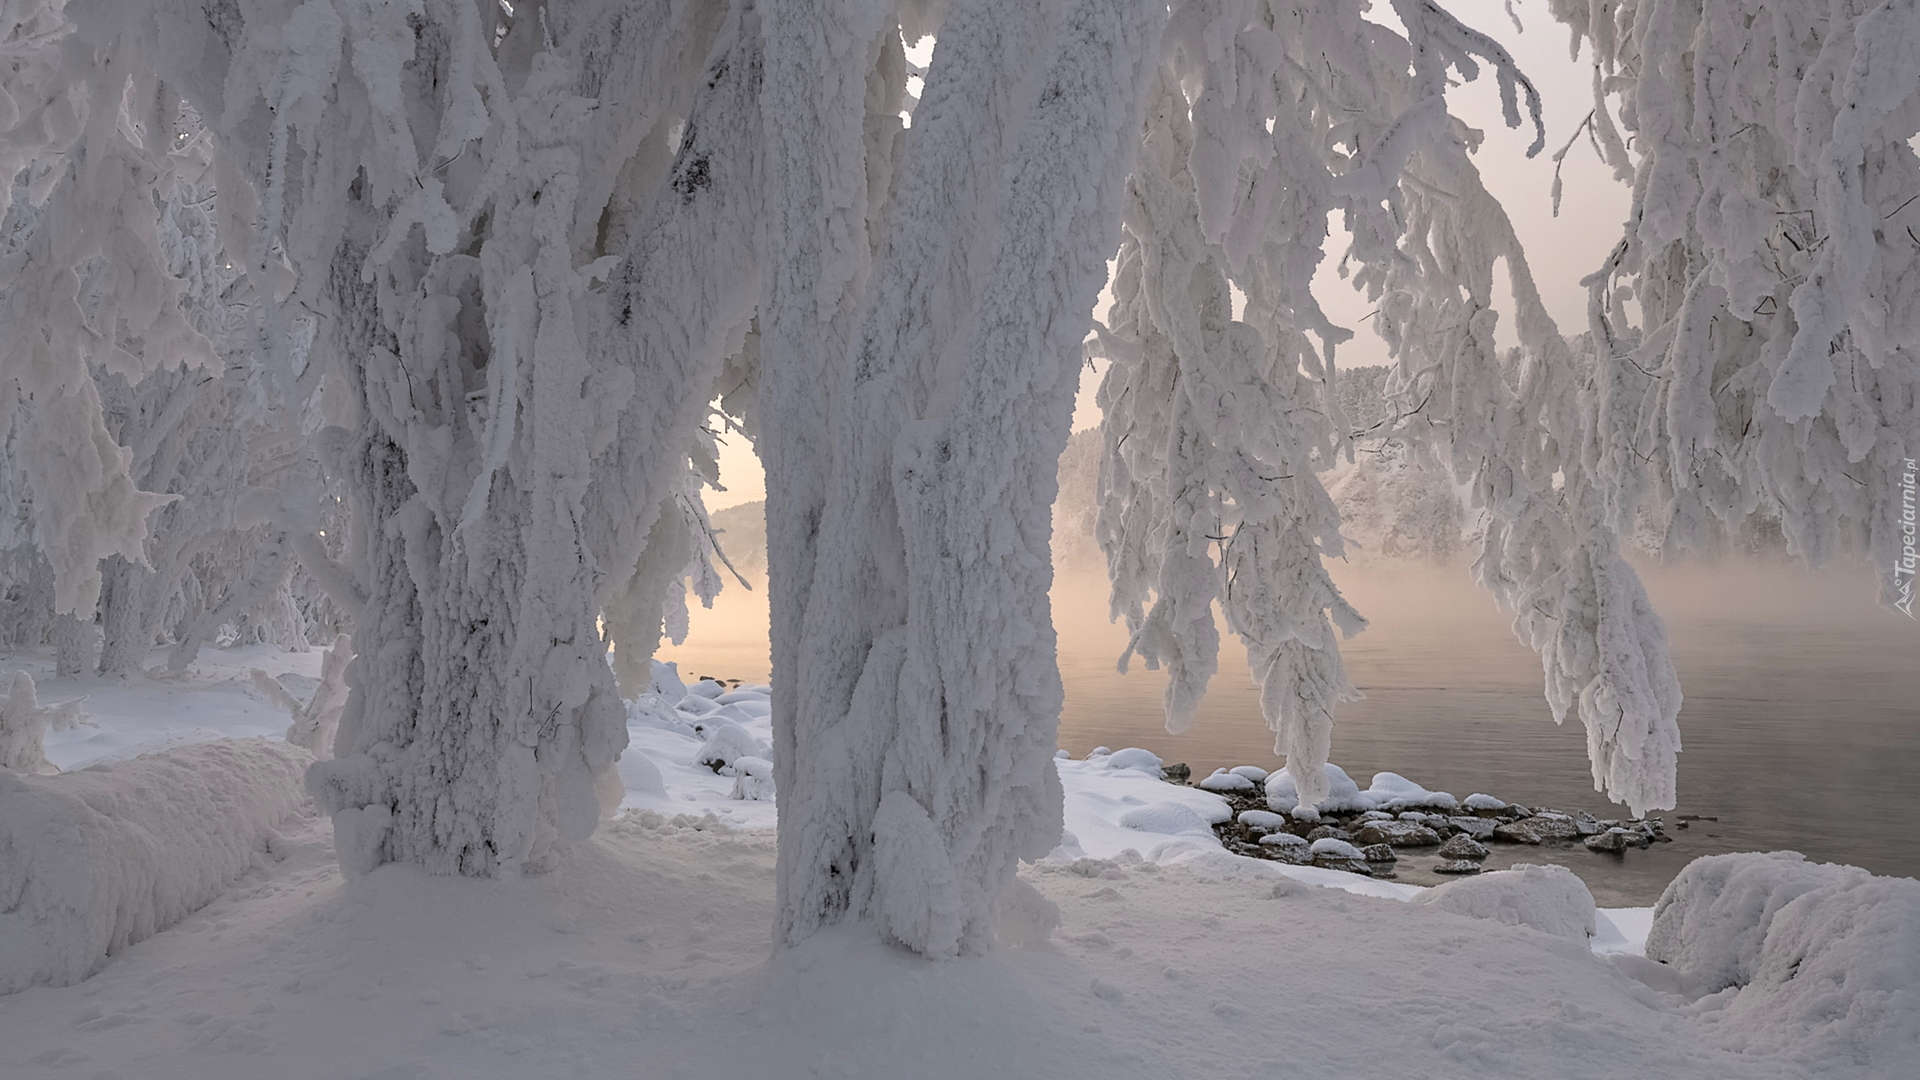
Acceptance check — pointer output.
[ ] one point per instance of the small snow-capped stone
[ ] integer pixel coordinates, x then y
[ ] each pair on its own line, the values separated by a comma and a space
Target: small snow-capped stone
1262, 820
1252, 772
1284, 840
1099, 751
1062, 755
1223, 782
1134, 758
1462, 846
1329, 845
707, 688
1481, 801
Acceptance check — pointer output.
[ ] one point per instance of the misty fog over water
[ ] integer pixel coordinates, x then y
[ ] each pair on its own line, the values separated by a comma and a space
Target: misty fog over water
1801, 725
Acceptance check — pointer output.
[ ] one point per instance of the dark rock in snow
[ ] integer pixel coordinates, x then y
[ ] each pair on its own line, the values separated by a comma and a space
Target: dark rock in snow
1537, 829
1615, 840
1479, 828
1324, 832
1378, 853
1178, 772
1397, 833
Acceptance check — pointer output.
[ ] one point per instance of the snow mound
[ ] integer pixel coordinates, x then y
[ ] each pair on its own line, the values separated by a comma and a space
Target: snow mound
1826, 958
1133, 757
1252, 772
95, 860
1170, 818
1223, 782
1343, 795
1481, 801
1550, 899
726, 745
1335, 848
1391, 791
754, 779
1712, 920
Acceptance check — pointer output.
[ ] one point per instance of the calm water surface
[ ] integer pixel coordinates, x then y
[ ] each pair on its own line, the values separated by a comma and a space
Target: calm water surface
1801, 727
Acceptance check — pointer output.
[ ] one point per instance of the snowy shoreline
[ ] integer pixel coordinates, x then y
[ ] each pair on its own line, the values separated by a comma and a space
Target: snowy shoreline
651, 939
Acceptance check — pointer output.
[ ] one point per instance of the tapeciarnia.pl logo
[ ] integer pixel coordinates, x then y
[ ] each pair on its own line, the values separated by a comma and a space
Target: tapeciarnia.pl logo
1903, 567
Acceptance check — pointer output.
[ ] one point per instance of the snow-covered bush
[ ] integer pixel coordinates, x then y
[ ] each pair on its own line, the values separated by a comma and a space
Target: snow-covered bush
317, 720
24, 724
1550, 899
95, 860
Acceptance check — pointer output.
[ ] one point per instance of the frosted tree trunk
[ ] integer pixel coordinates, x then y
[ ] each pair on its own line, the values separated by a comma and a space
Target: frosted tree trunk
917, 770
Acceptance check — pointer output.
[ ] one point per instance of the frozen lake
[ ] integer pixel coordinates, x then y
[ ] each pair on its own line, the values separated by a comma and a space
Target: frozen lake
1801, 726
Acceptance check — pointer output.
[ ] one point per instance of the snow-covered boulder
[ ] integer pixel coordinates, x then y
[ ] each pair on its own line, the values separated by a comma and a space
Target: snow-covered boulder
753, 779
1252, 772
1262, 821
94, 860
1550, 899
1826, 958
707, 688
1391, 791
666, 682
726, 744
1713, 917
1343, 795
1482, 801
1223, 782
1133, 757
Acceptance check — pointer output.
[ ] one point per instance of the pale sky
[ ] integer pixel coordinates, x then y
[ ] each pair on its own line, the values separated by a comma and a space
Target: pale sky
1560, 250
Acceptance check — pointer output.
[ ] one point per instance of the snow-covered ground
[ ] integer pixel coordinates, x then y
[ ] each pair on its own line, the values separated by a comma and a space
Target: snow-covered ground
647, 953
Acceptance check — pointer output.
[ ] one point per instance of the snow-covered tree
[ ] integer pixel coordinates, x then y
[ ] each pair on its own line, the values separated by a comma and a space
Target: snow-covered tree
488, 264
1756, 333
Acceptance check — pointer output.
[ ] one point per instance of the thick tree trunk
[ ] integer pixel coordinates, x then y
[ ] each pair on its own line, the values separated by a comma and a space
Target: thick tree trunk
917, 731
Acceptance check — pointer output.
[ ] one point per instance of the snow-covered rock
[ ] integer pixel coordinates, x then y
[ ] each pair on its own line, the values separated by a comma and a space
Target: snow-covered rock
1713, 918
1226, 783
95, 860
1481, 801
1826, 958
1397, 833
753, 779
727, 743
1252, 772
1343, 795
1537, 829
1391, 791
666, 681
1133, 757
1262, 820
1550, 899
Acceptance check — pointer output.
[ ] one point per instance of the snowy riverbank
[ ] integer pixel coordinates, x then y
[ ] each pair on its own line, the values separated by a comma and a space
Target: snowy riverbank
646, 953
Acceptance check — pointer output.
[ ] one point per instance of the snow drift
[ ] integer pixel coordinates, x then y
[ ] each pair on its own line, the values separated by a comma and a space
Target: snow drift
1814, 960
95, 860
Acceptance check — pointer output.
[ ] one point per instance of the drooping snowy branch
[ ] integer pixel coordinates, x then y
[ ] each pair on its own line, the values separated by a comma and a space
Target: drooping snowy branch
1756, 334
